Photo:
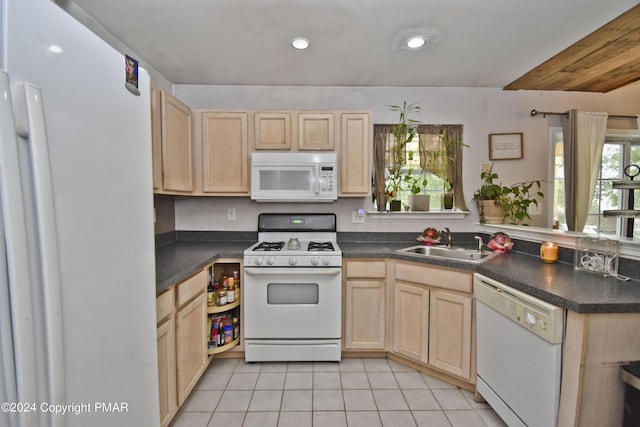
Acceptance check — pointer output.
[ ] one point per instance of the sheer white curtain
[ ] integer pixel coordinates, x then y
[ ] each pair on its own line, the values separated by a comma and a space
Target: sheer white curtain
590, 135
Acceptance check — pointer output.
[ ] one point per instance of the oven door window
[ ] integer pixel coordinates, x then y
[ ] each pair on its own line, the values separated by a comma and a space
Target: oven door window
292, 293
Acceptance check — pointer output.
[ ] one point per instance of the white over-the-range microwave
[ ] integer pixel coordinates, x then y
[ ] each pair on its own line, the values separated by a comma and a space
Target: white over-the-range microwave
294, 177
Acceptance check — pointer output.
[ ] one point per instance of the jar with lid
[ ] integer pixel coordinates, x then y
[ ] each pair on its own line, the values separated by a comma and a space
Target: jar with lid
222, 297
231, 292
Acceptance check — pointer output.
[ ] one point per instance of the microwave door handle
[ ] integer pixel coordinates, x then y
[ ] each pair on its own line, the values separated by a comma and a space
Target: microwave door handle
316, 179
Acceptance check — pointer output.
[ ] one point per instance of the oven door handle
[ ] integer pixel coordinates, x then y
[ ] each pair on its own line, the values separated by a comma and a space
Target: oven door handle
292, 271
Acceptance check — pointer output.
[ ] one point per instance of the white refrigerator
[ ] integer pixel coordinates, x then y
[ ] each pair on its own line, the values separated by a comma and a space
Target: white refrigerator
77, 274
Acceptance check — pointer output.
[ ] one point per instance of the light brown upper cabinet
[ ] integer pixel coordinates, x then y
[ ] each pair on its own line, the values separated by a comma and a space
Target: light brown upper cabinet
272, 130
316, 131
225, 152
355, 154
170, 143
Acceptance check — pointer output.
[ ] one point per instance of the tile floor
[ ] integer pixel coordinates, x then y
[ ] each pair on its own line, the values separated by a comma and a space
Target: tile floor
354, 392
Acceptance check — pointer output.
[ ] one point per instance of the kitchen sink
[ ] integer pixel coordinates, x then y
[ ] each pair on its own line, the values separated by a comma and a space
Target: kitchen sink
454, 253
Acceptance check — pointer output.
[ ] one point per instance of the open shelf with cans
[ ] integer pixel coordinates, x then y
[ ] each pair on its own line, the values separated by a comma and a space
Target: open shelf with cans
223, 306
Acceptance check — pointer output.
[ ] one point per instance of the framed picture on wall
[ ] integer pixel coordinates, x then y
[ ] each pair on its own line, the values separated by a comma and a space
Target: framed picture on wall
505, 146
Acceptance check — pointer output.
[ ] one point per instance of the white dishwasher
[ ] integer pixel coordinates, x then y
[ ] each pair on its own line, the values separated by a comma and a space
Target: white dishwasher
519, 353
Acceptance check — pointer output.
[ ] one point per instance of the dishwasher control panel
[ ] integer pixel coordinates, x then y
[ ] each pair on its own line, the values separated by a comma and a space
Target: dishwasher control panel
540, 317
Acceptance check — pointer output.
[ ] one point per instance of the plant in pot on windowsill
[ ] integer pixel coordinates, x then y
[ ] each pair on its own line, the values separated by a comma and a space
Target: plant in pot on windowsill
498, 202
403, 133
417, 185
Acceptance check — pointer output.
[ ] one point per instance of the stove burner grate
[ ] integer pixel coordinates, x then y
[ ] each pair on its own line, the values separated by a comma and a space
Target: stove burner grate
320, 246
269, 246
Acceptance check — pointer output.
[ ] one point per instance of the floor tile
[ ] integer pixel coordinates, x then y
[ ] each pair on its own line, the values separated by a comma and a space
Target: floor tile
354, 380
451, 399
192, 419
376, 365
410, 380
295, 419
333, 419
490, 418
298, 380
420, 400
203, 401
226, 419
390, 400
234, 401
214, 381
363, 419
260, 419
297, 400
265, 400
326, 380
351, 365
464, 418
397, 419
328, 400
359, 400
300, 367
431, 419
243, 381
367, 392
271, 380
382, 380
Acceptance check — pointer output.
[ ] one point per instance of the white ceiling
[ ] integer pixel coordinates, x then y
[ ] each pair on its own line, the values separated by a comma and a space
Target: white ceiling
486, 43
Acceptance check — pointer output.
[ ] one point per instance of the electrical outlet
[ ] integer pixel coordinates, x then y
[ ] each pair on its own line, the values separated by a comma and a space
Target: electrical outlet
231, 214
357, 217
535, 209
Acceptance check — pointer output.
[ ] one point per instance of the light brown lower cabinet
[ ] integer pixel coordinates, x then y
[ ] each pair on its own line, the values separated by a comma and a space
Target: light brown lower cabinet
167, 370
433, 318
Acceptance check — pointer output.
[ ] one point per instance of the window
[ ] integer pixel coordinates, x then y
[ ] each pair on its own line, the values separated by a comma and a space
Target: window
618, 152
432, 157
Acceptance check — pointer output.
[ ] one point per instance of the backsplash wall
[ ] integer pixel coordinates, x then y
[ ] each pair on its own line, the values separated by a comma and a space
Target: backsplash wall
480, 110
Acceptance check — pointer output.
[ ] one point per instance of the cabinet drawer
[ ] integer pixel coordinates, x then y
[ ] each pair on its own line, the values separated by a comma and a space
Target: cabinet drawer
165, 304
430, 276
192, 287
366, 269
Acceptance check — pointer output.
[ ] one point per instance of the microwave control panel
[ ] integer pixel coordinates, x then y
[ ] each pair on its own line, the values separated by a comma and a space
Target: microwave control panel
327, 178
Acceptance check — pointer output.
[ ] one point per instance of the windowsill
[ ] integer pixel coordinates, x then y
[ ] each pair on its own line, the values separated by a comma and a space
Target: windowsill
435, 214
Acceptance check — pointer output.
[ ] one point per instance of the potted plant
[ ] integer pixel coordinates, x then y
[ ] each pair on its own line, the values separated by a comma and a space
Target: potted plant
498, 202
416, 184
403, 132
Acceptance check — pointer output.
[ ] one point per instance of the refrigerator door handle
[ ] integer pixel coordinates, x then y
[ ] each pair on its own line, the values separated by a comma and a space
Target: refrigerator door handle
30, 123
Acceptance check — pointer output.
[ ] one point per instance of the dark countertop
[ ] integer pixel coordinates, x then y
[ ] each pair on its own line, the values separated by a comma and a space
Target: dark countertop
558, 284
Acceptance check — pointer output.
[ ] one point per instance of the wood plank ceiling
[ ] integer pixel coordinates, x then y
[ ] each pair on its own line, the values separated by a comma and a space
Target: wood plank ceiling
606, 59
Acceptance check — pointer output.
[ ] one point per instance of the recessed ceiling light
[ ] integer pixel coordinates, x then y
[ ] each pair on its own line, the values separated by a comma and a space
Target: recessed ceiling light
55, 48
300, 43
415, 42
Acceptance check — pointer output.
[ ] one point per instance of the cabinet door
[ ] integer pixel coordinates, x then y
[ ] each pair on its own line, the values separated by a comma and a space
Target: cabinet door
156, 136
272, 130
176, 145
191, 345
316, 131
365, 315
450, 332
225, 153
167, 370
355, 153
411, 321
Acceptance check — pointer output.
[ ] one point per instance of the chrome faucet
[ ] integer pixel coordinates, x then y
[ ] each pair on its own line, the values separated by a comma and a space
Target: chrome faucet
479, 239
449, 237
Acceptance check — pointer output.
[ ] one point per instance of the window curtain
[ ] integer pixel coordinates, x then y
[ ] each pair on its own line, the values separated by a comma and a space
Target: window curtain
453, 134
380, 137
583, 136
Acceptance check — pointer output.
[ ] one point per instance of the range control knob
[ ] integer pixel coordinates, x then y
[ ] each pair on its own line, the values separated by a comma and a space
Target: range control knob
293, 260
326, 261
271, 260
315, 260
259, 260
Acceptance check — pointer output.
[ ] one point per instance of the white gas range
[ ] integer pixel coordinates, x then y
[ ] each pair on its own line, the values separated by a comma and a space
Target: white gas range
293, 289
